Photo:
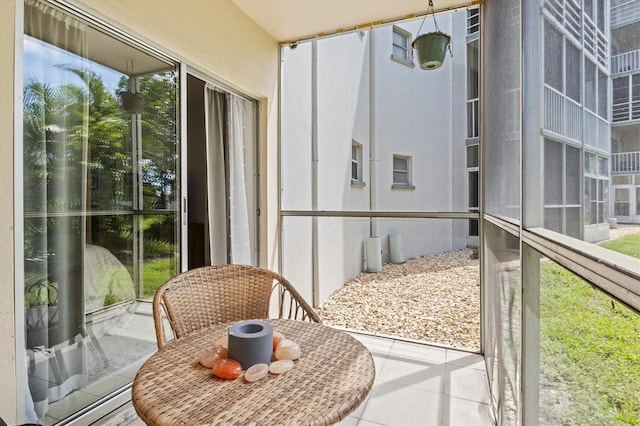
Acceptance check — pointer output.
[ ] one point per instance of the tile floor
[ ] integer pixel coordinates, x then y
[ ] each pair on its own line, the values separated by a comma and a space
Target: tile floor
415, 384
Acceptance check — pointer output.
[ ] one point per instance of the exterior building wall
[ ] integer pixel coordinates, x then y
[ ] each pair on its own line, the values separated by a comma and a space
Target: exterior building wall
576, 131
422, 114
625, 132
346, 89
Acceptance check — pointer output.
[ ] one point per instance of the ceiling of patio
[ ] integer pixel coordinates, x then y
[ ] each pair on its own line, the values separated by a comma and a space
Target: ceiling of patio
291, 20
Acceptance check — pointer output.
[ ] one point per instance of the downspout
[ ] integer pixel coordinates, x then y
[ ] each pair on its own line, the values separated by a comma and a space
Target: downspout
315, 293
373, 228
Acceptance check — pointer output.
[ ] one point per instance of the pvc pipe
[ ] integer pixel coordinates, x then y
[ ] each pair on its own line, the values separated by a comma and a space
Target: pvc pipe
374, 255
395, 248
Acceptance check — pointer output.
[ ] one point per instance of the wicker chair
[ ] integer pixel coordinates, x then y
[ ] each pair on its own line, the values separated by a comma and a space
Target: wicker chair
215, 294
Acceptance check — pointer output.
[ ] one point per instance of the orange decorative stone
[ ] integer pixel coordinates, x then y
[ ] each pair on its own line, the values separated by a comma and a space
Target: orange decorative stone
207, 356
277, 338
227, 368
256, 372
287, 349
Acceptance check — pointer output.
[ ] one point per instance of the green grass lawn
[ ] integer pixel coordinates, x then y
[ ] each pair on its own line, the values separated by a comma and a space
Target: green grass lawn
629, 245
590, 350
156, 272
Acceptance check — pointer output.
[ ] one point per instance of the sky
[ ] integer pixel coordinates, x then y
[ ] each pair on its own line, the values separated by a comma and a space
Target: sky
40, 60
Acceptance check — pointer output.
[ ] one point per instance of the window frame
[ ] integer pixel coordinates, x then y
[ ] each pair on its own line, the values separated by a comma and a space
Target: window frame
408, 49
407, 172
356, 151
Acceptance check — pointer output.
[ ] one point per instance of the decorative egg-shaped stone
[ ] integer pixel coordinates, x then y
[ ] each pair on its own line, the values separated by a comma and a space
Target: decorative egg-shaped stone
277, 338
287, 349
281, 366
256, 372
227, 368
207, 356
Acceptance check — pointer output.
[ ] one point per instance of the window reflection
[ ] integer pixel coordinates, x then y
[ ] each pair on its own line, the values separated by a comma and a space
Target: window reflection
100, 155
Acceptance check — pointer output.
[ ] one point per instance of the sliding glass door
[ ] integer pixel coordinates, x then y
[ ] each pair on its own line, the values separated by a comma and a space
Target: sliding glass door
101, 207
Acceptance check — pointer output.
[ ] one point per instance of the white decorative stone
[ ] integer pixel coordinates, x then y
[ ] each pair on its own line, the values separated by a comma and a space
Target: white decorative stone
287, 349
207, 356
256, 372
223, 341
281, 366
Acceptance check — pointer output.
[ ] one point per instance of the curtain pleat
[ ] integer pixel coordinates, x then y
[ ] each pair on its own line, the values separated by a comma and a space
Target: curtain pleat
216, 181
229, 230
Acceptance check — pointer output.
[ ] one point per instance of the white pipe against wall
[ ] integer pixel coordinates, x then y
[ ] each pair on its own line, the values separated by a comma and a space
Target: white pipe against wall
374, 255
396, 254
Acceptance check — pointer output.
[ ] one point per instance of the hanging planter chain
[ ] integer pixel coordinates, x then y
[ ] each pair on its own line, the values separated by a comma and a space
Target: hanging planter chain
431, 47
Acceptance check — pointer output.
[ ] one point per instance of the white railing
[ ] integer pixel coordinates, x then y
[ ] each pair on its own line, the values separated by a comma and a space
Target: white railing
597, 132
595, 42
553, 110
572, 119
572, 21
625, 162
562, 115
625, 13
473, 118
473, 21
604, 135
625, 62
625, 111
567, 13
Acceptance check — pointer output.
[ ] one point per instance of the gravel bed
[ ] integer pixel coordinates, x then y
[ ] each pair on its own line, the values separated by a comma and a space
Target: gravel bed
434, 299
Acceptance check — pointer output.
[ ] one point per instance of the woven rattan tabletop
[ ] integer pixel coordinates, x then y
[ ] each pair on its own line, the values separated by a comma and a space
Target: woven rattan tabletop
332, 377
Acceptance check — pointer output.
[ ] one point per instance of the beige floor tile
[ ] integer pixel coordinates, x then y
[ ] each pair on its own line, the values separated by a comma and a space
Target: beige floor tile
466, 383
397, 405
460, 412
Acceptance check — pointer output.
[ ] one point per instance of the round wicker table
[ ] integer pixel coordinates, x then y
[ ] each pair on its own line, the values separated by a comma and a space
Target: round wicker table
332, 377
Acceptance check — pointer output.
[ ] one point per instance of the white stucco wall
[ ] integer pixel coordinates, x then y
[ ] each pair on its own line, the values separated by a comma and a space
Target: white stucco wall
422, 114
343, 116
390, 108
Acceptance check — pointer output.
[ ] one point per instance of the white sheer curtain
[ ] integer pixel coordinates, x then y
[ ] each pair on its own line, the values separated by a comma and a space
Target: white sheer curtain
225, 122
55, 158
216, 180
239, 215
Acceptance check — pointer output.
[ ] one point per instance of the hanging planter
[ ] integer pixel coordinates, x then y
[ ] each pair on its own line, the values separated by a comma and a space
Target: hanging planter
431, 48
131, 102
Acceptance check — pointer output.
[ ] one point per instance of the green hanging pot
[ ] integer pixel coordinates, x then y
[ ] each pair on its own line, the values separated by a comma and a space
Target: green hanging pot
131, 102
431, 49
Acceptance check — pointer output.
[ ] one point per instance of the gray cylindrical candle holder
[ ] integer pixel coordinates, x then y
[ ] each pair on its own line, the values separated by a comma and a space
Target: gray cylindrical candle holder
251, 342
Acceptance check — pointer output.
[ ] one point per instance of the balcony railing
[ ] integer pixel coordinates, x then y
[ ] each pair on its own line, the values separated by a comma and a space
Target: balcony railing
473, 21
568, 118
595, 42
626, 111
625, 62
562, 115
625, 162
625, 13
597, 132
566, 12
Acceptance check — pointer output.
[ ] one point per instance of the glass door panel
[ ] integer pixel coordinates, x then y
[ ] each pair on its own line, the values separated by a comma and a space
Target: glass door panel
100, 211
